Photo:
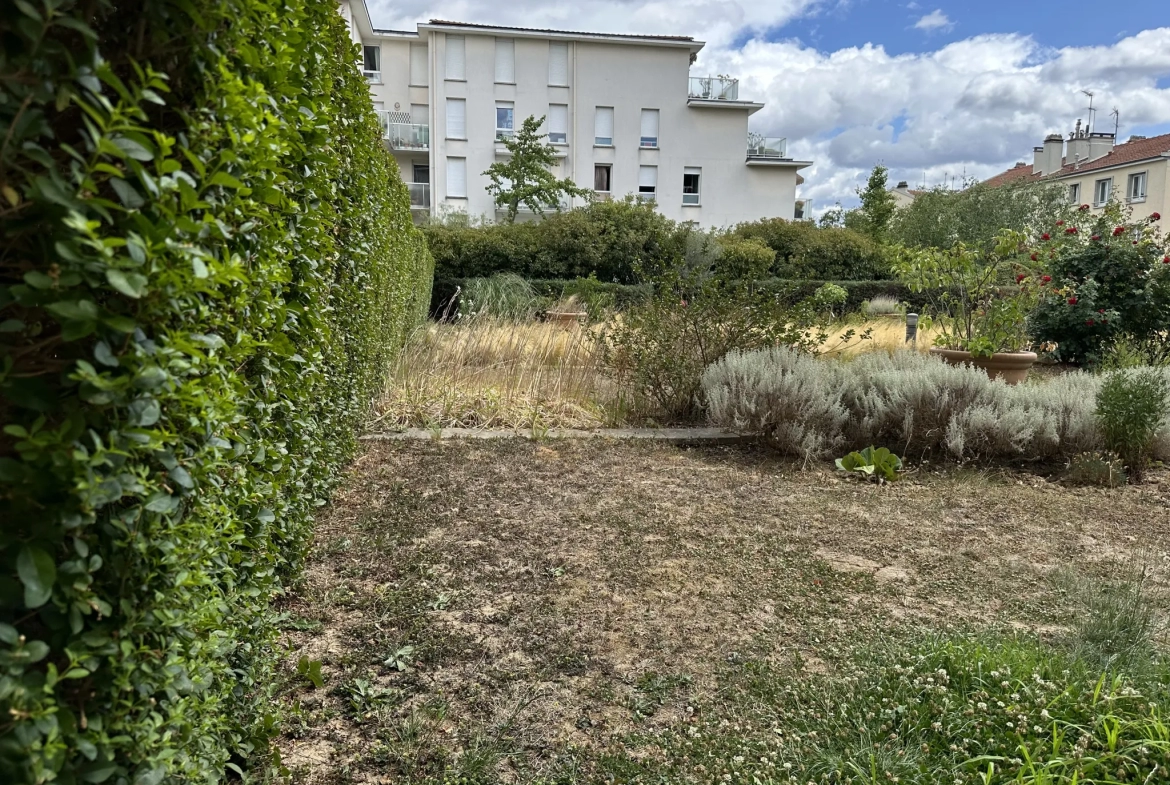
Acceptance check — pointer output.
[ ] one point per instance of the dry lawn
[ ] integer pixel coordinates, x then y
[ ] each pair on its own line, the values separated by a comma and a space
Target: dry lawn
512, 611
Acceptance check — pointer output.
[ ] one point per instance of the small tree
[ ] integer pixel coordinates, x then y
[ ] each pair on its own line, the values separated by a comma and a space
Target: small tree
525, 178
877, 205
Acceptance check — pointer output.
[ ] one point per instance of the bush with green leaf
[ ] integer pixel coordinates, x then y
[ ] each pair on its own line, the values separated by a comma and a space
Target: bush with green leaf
805, 251
879, 465
1133, 406
207, 263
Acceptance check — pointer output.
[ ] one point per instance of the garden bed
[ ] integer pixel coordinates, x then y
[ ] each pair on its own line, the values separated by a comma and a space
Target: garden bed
515, 611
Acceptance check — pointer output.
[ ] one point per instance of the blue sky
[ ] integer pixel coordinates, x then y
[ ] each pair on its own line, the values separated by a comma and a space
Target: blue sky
932, 90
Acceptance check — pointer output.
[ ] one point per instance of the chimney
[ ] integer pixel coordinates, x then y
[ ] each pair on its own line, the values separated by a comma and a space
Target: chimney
1136, 138
1078, 146
1100, 145
1037, 160
902, 185
1053, 149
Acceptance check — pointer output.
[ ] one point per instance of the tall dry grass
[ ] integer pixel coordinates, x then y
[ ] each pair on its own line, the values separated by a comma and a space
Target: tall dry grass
487, 373
886, 334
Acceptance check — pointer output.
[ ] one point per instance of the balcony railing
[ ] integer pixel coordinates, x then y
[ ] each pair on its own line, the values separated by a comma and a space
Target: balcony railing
767, 147
405, 136
373, 77
420, 195
714, 88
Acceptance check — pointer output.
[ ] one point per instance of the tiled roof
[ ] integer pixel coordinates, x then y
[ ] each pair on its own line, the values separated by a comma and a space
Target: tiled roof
1125, 153
678, 38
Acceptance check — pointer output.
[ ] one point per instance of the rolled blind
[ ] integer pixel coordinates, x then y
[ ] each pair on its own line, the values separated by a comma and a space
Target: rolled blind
558, 64
650, 123
505, 61
419, 113
647, 176
418, 64
603, 123
455, 60
558, 119
457, 177
456, 118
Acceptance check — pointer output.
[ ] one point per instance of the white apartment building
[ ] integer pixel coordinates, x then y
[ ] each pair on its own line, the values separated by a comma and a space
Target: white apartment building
623, 112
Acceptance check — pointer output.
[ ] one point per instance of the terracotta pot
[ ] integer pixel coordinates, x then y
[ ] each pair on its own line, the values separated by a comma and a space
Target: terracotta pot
1012, 367
566, 318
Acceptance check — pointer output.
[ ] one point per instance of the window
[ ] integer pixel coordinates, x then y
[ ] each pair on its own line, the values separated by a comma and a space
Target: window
418, 65
420, 115
558, 64
558, 123
691, 176
371, 58
455, 58
1101, 191
505, 120
505, 61
422, 173
456, 118
647, 182
602, 178
457, 178
603, 126
649, 128
1074, 193
1136, 190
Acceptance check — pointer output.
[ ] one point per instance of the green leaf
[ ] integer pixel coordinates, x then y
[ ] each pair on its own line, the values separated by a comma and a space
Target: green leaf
76, 310
38, 573
133, 149
129, 284
225, 179
126, 193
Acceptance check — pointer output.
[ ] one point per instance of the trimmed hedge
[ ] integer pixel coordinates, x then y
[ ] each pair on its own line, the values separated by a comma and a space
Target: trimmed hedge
804, 250
207, 262
624, 295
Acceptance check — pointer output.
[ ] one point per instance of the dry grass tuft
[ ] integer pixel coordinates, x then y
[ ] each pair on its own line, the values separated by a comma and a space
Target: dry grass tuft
887, 334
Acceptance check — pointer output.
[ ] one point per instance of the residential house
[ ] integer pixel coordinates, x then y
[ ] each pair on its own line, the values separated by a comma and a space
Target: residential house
903, 194
1096, 171
623, 112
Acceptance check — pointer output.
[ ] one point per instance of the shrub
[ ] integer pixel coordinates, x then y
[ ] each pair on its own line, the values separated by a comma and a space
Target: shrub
806, 251
1132, 406
745, 259
913, 403
1103, 290
207, 264
882, 305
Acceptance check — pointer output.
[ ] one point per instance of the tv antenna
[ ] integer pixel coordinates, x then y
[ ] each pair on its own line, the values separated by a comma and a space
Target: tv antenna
1116, 115
1091, 110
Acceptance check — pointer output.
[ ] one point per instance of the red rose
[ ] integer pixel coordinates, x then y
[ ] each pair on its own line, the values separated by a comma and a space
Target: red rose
1048, 278
1100, 310
1060, 223
1033, 257
1089, 322
1166, 260
1118, 230
1072, 301
1045, 236
1095, 237
1071, 230
1020, 277
1083, 207
1155, 216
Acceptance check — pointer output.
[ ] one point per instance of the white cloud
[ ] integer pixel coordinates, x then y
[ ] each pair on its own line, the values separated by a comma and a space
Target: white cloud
936, 20
974, 106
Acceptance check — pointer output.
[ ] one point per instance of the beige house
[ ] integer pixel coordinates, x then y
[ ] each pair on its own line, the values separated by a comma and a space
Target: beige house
903, 194
1096, 171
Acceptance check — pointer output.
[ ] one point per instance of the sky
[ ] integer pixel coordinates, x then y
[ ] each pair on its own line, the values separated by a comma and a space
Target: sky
935, 90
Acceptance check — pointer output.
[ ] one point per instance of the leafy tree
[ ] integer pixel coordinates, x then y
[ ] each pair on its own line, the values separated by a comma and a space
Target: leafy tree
525, 178
877, 206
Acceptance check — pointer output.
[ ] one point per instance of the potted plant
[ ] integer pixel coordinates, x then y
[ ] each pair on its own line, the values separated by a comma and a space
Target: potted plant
985, 297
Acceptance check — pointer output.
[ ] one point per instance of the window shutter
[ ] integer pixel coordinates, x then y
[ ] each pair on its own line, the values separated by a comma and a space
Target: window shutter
418, 65
456, 118
558, 64
420, 114
455, 60
603, 125
558, 123
457, 177
647, 177
505, 61
649, 127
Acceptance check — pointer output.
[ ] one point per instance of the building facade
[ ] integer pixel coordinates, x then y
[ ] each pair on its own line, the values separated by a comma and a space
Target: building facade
1096, 171
622, 111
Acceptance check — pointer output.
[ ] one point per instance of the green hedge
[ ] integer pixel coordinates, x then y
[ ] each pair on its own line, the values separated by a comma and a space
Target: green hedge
804, 250
206, 262
626, 295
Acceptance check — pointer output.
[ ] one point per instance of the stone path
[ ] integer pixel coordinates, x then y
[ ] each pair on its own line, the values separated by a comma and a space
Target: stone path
669, 435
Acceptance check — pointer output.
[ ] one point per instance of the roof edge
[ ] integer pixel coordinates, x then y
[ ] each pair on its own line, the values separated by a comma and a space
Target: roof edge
687, 42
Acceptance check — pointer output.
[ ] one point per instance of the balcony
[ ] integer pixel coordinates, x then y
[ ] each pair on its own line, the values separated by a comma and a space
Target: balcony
766, 148
404, 136
713, 88
420, 196
373, 77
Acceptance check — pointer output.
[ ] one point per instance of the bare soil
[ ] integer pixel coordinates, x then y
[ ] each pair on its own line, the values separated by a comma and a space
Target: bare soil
510, 611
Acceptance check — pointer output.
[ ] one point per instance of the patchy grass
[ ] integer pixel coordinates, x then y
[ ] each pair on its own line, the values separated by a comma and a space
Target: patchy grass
511, 611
